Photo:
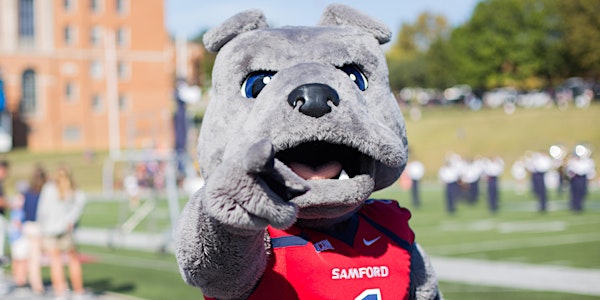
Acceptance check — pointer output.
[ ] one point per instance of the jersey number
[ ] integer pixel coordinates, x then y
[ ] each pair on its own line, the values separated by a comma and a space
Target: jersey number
370, 294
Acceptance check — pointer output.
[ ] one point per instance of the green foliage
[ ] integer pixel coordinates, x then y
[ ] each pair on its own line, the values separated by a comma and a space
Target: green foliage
407, 72
207, 63
507, 42
582, 34
409, 65
527, 44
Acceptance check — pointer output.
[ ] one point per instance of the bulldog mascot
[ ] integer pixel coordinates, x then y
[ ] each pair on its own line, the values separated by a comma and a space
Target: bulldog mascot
302, 128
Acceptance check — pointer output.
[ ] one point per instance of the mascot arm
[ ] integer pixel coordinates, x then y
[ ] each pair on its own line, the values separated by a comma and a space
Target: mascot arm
422, 276
221, 233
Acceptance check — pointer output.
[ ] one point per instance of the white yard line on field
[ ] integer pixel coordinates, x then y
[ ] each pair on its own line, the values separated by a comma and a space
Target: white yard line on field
518, 275
529, 242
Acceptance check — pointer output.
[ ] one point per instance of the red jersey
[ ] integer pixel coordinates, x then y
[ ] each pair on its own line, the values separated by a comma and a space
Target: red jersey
368, 261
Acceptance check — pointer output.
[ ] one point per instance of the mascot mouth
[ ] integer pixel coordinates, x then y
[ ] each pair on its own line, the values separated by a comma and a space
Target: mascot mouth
322, 160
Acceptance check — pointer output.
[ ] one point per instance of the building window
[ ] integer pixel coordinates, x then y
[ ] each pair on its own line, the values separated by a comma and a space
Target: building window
68, 5
123, 70
28, 93
72, 133
97, 104
69, 35
96, 69
123, 102
122, 37
70, 93
95, 6
26, 19
95, 36
122, 6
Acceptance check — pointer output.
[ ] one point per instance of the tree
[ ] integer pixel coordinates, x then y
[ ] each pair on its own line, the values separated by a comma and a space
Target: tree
582, 35
207, 63
406, 58
511, 42
439, 65
526, 44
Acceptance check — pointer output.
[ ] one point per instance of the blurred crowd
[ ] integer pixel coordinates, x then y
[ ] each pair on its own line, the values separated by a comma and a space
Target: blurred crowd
573, 92
38, 222
567, 172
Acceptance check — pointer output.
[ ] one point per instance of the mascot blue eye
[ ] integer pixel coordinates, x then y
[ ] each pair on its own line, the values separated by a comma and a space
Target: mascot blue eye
357, 76
255, 82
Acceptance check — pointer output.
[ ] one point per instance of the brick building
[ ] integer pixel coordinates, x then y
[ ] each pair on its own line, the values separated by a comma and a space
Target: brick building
87, 74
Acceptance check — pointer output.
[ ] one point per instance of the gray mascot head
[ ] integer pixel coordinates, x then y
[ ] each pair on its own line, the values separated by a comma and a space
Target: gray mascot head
301, 129
319, 95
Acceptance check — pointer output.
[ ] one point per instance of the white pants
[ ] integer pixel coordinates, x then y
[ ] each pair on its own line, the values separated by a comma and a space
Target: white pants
33, 234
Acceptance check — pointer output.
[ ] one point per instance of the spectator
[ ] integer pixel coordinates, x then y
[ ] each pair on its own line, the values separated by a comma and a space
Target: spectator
31, 228
18, 243
60, 207
415, 170
132, 188
519, 172
3, 206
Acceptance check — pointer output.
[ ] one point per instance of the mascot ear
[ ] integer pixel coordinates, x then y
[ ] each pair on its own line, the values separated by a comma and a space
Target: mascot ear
342, 15
248, 20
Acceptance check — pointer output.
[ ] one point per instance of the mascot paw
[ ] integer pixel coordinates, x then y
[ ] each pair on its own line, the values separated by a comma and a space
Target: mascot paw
256, 197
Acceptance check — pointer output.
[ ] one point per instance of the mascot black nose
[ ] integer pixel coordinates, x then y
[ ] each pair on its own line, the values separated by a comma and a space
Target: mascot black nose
314, 99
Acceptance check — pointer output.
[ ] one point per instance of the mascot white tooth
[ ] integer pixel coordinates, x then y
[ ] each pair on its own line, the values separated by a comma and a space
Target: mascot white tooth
302, 128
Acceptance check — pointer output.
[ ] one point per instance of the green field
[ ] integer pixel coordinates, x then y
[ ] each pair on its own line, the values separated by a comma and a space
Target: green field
492, 132
517, 233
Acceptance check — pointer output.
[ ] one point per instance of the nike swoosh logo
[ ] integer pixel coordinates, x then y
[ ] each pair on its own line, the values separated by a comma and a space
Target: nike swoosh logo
370, 242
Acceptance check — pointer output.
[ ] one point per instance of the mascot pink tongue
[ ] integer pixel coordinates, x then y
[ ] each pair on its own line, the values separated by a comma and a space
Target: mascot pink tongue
327, 171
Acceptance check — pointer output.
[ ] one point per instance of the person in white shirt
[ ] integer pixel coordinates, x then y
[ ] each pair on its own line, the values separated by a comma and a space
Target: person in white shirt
471, 173
580, 169
539, 164
493, 167
519, 173
449, 175
60, 207
416, 171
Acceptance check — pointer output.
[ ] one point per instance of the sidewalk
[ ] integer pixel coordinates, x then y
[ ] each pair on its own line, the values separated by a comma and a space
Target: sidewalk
518, 275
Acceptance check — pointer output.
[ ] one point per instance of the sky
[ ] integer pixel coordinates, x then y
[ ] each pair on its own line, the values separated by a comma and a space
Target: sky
187, 18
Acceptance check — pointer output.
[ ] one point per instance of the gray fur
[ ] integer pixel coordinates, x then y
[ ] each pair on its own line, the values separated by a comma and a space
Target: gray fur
242, 22
220, 242
343, 15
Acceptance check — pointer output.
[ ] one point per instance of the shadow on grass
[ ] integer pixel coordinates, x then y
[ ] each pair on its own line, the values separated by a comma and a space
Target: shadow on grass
103, 285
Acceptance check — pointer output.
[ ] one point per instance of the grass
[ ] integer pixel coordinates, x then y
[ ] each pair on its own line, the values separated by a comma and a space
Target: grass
140, 274
516, 233
453, 291
492, 132
86, 167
